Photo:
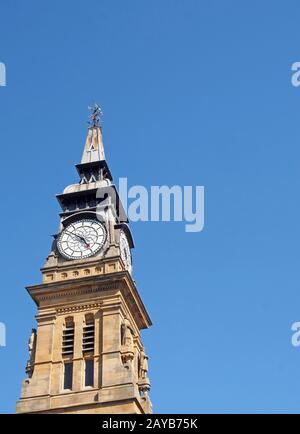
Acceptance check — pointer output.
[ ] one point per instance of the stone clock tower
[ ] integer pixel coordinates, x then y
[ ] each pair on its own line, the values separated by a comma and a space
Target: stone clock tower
86, 354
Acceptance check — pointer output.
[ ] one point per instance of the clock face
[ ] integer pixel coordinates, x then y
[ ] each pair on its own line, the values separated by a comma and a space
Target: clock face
125, 251
82, 239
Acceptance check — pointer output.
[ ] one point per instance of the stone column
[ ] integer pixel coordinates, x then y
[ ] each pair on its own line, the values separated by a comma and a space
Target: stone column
57, 366
39, 383
98, 349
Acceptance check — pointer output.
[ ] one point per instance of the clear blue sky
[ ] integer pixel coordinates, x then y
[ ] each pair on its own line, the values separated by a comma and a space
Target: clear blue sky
194, 93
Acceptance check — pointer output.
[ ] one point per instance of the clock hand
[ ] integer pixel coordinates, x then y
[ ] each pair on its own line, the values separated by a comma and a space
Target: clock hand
71, 234
81, 238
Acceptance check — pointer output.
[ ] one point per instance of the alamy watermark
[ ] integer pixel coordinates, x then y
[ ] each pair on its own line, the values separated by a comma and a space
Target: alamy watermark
2, 74
157, 203
296, 335
2, 335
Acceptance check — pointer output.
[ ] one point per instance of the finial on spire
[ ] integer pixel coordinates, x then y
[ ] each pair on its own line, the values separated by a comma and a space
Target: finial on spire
95, 116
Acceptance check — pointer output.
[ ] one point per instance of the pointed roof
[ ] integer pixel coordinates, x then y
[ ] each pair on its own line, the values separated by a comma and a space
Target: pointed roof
93, 148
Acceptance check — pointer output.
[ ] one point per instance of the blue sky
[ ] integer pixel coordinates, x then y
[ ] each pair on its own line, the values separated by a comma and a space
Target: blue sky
194, 93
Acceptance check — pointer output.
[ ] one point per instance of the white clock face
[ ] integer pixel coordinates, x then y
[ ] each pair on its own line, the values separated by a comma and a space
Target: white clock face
82, 239
125, 252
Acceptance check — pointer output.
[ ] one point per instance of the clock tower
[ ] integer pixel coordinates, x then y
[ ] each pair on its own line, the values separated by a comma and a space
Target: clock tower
86, 354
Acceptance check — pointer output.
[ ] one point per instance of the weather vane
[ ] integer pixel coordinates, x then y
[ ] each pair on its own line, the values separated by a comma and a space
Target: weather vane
95, 116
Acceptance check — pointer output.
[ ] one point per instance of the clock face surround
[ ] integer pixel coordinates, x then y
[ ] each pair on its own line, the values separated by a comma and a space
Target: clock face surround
82, 239
125, 251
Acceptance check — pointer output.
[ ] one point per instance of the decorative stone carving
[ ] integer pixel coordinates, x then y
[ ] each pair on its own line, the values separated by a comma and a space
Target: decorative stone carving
127, 334
31, 350
146, 402
127, 346
143, 365
143, 381
78, 308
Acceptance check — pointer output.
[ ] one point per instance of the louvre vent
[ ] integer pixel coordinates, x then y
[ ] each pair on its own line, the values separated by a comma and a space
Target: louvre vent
68, 340
88, 338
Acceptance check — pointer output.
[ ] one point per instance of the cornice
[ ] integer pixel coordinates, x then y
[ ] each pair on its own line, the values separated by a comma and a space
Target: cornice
78, 291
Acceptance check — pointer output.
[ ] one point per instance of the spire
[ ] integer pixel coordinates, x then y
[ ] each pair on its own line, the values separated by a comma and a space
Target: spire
93, 148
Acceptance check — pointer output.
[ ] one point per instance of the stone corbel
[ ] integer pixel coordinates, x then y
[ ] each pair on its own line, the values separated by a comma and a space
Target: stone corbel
127, 358
144, 388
